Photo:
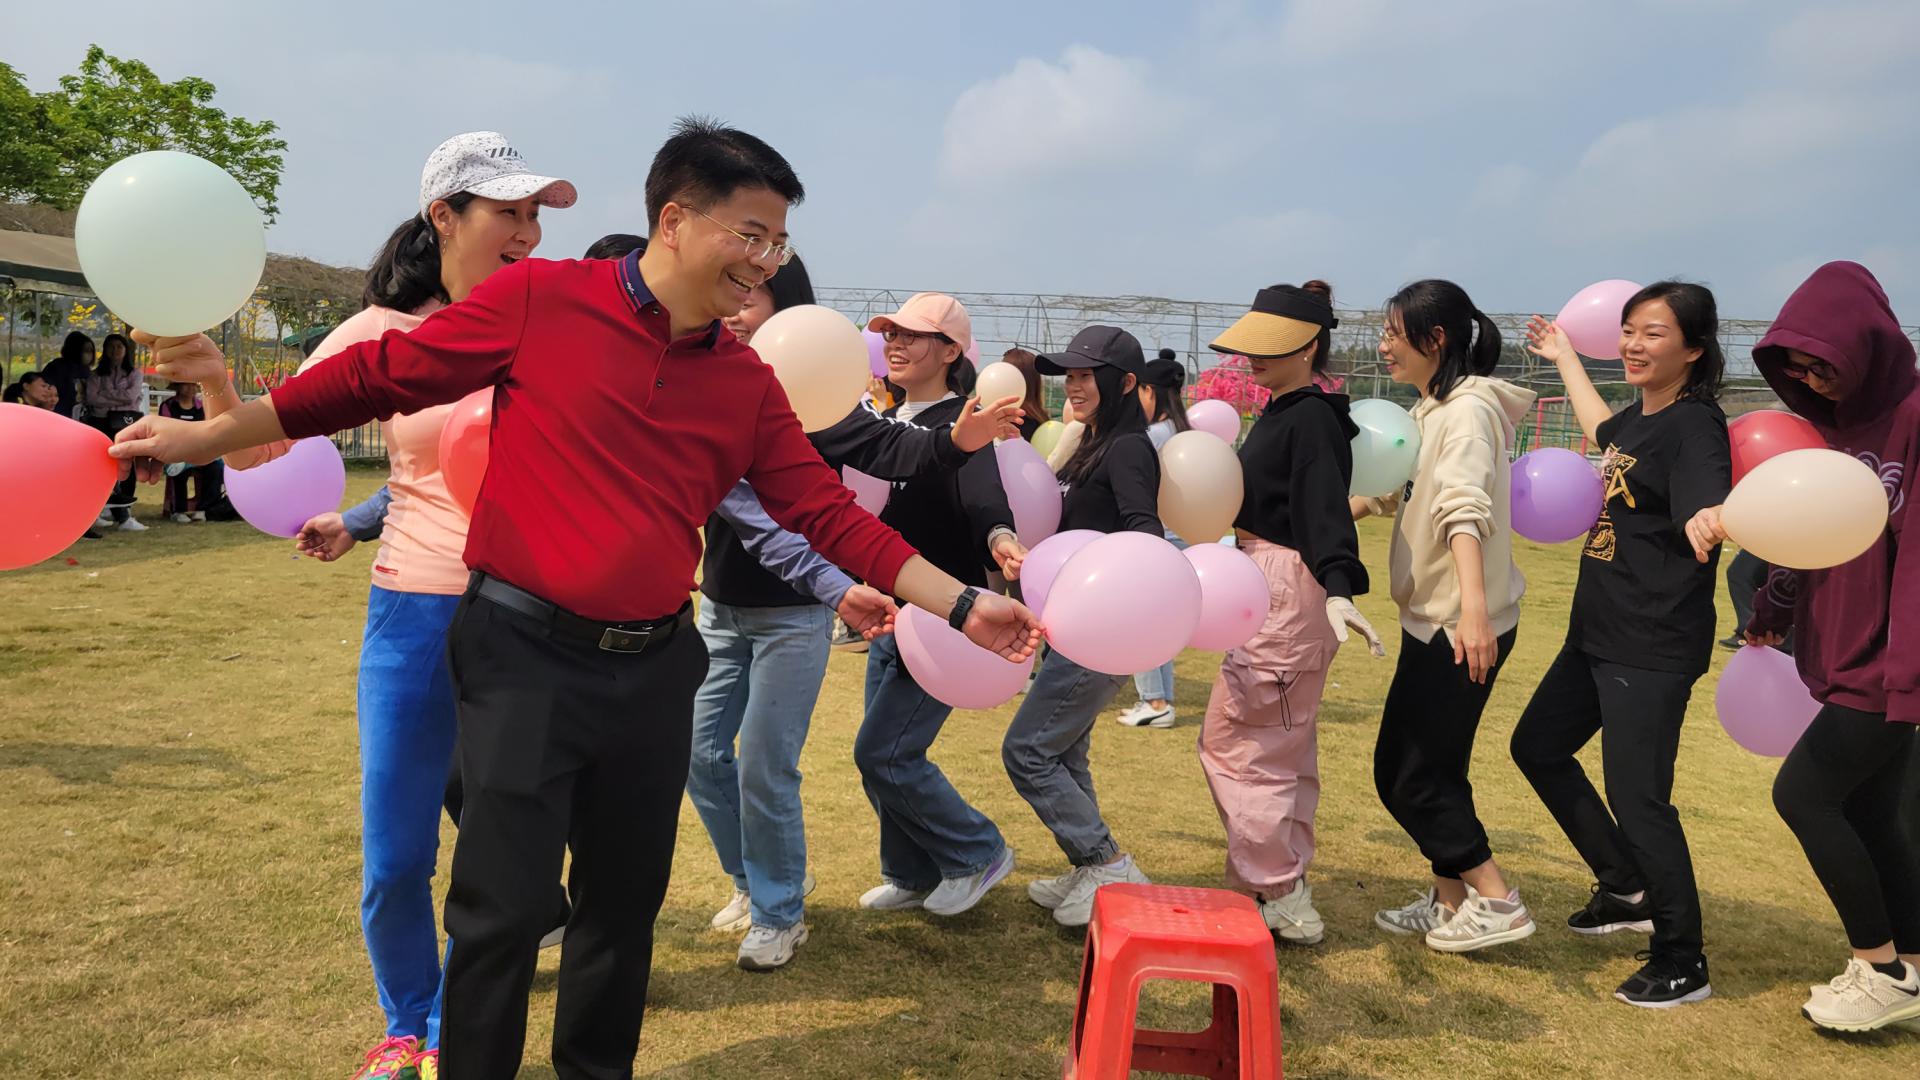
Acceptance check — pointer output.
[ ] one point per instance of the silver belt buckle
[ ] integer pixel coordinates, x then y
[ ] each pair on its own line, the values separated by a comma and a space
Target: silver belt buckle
624, 641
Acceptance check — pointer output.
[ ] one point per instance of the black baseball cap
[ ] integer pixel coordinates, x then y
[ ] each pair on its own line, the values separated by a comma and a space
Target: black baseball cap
1094, 346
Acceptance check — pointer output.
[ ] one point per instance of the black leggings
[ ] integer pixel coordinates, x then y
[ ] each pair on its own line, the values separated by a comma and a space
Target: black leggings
1850, 791
1426, 745
1637, 844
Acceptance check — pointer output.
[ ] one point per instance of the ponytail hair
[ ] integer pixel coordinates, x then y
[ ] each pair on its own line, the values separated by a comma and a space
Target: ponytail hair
1698, 317
406, 272
1438, 316
1322, 356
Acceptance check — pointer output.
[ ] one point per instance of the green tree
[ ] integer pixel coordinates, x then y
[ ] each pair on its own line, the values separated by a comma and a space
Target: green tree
112, 108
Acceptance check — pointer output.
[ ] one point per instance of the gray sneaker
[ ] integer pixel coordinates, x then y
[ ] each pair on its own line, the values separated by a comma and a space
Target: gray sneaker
1077, 908
1424, 914
1051, 892
956, 895
765, 948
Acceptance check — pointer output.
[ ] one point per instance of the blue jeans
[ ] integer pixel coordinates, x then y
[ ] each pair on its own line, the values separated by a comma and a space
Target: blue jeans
927, 831
406, 748
1045, 752
763, 677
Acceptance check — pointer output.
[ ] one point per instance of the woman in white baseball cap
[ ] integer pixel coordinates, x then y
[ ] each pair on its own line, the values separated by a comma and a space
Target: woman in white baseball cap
479, 211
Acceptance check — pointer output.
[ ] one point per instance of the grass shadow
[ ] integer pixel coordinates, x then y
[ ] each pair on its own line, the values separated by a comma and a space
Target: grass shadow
93, 763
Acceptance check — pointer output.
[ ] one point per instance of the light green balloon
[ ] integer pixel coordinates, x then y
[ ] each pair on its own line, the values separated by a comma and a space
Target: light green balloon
169, 242
1386, 450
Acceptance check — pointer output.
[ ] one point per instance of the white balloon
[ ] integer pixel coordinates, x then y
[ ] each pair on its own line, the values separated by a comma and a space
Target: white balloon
820, 359
169, 242
1000, 380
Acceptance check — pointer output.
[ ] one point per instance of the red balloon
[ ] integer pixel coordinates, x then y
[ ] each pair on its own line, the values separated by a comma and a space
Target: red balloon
1759, 435
56, 475
463, 447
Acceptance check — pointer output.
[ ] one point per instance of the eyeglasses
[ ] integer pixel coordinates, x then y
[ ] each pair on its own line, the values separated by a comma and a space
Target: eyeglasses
758, 247
908, 337
1819, 368
1388, 335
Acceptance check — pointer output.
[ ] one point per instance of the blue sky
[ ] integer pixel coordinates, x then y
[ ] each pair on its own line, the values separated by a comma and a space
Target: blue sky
1523, 148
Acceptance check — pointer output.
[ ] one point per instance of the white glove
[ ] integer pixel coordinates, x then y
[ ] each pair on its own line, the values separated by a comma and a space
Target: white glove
1341, 614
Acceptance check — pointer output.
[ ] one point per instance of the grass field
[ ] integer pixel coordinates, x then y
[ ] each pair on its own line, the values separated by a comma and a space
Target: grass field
179, 870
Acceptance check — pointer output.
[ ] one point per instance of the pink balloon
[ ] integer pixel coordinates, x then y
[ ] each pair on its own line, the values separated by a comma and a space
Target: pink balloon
876, 353
1033, 492
1044, 561
1762, 702
1126, 602
870, 492
1216, 418
1233, 597
953, 669
1592, 318
1556, 495
972, 352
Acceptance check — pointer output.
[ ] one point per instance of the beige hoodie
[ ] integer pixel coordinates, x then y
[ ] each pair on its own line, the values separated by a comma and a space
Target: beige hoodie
1461, 484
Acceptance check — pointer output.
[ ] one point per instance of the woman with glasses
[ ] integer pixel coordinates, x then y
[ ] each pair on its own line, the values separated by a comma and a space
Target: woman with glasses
1458, 590
764, 620
936, 851
1111, 483
1640, 634
1850, 789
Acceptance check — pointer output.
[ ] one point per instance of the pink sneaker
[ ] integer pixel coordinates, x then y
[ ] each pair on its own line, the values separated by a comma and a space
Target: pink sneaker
390, 1059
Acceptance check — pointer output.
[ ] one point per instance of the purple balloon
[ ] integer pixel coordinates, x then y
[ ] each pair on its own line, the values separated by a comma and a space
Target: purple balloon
869, 492
876, 353
952, 668
1033, 492
282, 495
1557, 495
1044, 561
1762, 702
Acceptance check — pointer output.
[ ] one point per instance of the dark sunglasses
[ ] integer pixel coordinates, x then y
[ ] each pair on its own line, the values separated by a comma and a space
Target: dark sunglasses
1819, 368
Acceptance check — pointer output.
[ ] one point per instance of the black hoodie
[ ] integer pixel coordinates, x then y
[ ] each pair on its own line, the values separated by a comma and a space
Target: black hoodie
948, 516
1298, 464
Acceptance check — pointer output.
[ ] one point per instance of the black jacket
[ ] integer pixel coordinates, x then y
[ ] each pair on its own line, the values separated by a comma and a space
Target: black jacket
948, 517
1122, 494
1298, 463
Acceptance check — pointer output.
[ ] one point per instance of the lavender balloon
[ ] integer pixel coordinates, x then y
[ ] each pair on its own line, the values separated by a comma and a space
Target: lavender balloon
876, 353
280, 496
1557, 495
1762, 703
1033, 493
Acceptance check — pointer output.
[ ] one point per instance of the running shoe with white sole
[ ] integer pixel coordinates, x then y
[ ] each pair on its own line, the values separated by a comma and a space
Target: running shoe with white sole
1145, 715
1665, 982
887, 896
764, 948
1864, 999
955, 895
1424, 914
1608, 913
1292, 917
1481, 923
1077, 908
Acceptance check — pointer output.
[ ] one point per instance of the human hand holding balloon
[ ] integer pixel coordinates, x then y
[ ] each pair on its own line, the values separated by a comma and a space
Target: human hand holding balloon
154, 442
1010, 554
980, 424
1705, 532
867, 611
1341, 614
324, 537
1765, 638
193, 358
1547, 341
1002, 625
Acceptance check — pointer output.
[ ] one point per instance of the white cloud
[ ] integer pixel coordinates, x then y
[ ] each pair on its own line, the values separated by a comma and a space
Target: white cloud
1089, 111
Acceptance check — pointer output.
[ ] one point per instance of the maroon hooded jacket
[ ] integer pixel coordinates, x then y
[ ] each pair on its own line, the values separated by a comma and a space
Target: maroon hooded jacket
1857, 625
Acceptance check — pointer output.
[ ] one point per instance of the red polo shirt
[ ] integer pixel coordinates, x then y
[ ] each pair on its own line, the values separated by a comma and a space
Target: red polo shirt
611, 444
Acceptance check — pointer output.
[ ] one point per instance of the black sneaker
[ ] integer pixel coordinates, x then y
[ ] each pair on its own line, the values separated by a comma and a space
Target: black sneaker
1608, 914
1733, 642
1665, 982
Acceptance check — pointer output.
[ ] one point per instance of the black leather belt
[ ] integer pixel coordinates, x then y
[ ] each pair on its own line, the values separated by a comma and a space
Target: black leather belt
626, 637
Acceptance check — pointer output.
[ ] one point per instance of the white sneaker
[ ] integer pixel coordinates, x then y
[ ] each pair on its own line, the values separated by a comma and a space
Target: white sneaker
198, 515
104, 521
180, 519
132, 524
1051, 892
956, 895
1424, 914
554, 936
1863, 999
765, 948
1077, 908
738, 914
1292, 917
1145, 715
1483, 922
887, 896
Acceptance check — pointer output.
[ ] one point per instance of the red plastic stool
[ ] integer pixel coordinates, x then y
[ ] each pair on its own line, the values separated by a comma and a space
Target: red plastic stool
1142, 932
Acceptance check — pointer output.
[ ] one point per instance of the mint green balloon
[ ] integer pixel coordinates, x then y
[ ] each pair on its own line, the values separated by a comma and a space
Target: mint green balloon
1386, 450
169, 242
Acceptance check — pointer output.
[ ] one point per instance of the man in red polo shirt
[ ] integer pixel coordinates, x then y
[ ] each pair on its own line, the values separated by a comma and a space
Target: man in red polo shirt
623, 413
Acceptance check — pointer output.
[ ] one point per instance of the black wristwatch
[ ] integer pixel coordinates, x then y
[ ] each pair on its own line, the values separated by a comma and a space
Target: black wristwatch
962, 604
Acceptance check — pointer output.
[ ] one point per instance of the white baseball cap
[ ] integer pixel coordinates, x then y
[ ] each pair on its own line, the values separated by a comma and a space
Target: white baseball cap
486, 164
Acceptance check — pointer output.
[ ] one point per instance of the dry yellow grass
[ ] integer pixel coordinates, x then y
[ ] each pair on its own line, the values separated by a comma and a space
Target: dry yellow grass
179, 871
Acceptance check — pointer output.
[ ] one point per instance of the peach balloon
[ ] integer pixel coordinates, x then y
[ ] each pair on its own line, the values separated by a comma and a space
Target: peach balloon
1807, 509
1200, 487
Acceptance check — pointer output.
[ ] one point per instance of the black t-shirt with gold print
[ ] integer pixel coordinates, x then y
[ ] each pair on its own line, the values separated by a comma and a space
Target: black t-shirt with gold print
1643, 599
